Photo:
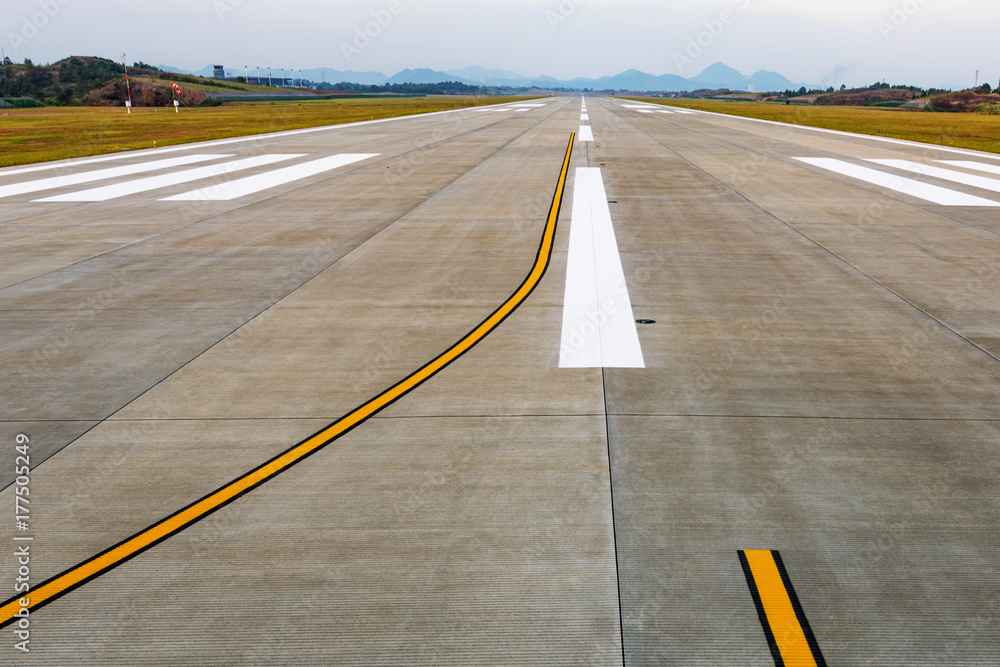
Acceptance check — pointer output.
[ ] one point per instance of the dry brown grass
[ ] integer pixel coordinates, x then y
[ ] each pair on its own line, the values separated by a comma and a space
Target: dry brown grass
54, 133
978, 132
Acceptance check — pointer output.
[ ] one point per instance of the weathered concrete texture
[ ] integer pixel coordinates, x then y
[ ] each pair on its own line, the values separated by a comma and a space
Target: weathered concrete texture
821, 379
815, 384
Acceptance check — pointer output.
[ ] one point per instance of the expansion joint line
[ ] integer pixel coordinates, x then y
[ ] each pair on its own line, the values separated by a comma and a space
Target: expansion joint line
107, 560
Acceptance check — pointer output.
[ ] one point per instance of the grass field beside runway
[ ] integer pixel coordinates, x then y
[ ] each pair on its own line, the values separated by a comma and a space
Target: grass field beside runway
978, 132
38, 135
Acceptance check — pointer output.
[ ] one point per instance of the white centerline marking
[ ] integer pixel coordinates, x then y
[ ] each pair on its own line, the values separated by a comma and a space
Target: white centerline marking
974, 166
906, 186
598, 328
584, 116
271, 179
156, 182
586, 134
981, 182
102, 174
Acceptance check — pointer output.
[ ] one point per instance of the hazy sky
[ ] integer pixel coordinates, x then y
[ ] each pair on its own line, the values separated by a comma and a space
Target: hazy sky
922, 42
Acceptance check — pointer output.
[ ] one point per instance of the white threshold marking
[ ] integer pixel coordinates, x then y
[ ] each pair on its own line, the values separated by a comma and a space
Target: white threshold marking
644, 110
102, 174
980, 182
637, 106
598, 328
974, 166
67, 165
201, 145
521, 110
272, 179
906, 186
586, 133
857, 135
156, 182
663, 111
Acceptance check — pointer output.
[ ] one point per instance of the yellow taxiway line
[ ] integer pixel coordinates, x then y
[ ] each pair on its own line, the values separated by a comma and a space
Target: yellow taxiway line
788, 633
109, 559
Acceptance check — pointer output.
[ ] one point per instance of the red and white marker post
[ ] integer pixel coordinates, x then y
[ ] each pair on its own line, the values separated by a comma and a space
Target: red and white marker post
128, 89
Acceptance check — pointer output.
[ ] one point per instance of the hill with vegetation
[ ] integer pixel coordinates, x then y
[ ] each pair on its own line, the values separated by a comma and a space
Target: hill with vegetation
90, 81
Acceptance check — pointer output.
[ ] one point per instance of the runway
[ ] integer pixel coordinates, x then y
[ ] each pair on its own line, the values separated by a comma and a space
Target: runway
616, 383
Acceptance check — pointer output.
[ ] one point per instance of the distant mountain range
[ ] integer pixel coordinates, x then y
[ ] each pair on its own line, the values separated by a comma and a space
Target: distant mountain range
716, 76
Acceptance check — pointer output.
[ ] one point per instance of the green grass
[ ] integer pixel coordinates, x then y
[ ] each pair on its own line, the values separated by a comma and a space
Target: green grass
975, 131
55, 133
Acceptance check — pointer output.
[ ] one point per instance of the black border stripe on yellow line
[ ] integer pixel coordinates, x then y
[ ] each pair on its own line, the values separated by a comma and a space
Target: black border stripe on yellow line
78, 575
788, 633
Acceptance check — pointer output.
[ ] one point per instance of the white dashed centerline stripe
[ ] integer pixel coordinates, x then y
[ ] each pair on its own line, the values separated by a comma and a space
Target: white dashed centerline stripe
156, 182
980, 182
586, 134
272, 179
598, 328
906, 186
102, 174
584, 116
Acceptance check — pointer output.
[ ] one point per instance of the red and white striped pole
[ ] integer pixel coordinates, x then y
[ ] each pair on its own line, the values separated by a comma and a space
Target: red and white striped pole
128, 88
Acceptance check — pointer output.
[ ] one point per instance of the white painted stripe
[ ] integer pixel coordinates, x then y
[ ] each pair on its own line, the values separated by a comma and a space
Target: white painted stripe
975, 166
663, 111
586, 134
521, 110
49, 166
637, 106
584, 116
102, 174
267, 136
504, 109
598, 328
534, 106
906, 186
260, 182
676, 110
644, 110
156, 182
980, 182
855, 135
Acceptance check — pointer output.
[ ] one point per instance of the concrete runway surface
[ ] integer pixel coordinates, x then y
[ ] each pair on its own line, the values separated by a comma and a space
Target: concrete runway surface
794, 460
